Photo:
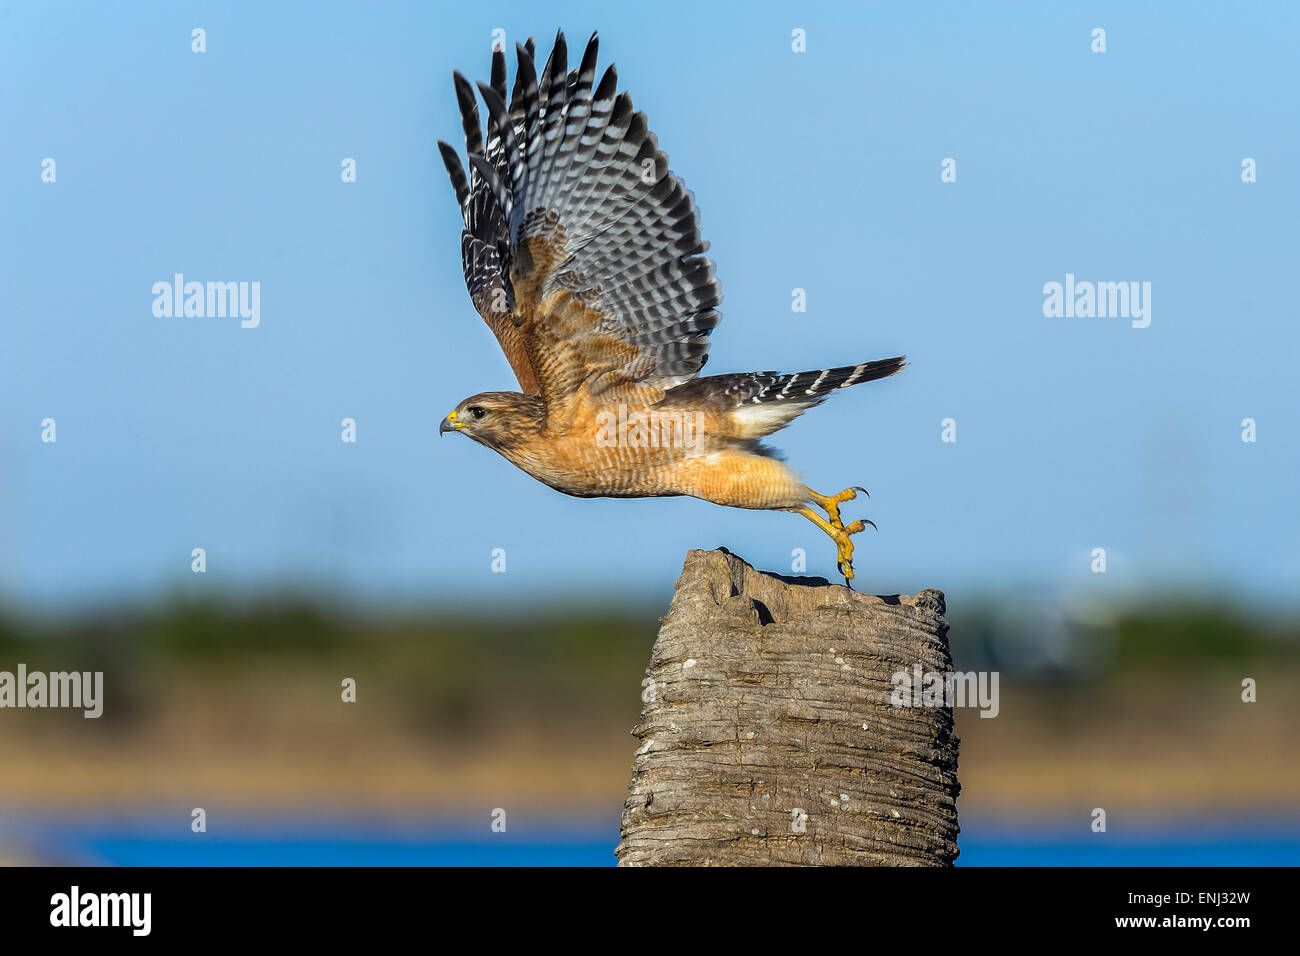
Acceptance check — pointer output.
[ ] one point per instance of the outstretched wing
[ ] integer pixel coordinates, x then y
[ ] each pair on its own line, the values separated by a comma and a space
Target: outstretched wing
581, 249
485, 241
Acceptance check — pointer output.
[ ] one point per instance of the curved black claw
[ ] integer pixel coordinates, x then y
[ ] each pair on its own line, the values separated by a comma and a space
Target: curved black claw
848, 581
861, 489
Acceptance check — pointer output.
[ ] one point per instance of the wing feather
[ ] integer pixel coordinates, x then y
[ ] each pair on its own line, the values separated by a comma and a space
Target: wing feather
575, 221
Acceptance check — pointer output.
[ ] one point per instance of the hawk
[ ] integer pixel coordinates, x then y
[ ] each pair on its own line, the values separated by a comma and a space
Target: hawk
582, 252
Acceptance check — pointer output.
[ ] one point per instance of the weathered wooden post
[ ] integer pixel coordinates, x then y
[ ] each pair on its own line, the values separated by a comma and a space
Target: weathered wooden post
768, 735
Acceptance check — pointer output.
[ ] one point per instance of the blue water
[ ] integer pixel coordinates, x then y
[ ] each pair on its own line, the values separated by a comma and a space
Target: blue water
144, 841
1185, 843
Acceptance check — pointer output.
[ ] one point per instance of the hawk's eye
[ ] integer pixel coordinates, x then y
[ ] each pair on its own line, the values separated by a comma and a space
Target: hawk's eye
477, 411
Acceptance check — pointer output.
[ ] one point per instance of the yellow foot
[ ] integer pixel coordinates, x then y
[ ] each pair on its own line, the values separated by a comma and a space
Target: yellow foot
841, 535
832, 503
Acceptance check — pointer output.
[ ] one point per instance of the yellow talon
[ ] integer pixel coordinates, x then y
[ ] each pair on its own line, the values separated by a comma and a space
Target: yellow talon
832, 503
835, 529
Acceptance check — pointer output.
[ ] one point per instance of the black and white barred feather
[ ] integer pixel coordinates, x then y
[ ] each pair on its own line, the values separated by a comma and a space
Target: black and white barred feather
788, 388
762, 402
568, 159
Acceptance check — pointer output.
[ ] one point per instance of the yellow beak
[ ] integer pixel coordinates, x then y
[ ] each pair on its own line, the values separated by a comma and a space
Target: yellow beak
449, 424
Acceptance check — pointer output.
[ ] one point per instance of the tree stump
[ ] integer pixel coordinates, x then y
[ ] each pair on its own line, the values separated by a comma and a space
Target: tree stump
768, 735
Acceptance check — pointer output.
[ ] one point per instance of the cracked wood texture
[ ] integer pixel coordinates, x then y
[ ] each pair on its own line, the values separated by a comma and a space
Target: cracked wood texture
768, 736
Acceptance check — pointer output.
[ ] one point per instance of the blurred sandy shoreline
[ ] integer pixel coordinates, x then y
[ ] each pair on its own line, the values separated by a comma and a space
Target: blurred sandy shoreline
1150, 745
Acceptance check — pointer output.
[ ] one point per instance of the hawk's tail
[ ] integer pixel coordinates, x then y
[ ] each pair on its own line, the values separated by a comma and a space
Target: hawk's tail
808, 386
762, 402
786, 388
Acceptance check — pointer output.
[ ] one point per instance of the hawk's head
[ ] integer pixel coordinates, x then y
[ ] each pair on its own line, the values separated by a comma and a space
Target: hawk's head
500, 420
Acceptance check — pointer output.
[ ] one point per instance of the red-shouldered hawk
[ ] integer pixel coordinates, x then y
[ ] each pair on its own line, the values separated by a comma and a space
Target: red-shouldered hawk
582, 252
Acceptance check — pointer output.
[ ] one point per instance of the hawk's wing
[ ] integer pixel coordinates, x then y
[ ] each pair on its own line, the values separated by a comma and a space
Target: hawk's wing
581, 249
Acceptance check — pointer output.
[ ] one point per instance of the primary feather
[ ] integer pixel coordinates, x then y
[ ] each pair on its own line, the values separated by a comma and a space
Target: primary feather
578, 236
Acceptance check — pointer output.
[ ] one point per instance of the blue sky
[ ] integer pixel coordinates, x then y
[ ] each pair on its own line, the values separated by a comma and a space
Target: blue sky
816, 170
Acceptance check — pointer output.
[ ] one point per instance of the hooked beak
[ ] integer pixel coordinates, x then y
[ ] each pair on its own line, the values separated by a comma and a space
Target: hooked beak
449, 424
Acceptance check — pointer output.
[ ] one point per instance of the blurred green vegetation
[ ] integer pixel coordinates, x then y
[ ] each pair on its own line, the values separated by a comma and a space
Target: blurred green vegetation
454, 660
446, 667
1208, 634
1170, 634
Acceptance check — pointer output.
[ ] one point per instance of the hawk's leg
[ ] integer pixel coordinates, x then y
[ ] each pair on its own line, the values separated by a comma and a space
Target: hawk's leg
832, 504
841, 535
